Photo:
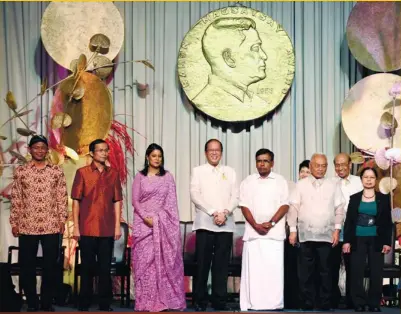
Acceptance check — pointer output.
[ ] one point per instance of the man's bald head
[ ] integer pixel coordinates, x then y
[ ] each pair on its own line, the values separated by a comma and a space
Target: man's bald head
318, 156
318, 165
342, 165
342, 156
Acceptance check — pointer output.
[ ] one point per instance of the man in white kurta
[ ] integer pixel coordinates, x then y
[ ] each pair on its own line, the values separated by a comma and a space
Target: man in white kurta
264, 203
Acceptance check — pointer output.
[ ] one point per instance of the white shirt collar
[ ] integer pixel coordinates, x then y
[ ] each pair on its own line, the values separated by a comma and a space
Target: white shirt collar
216, 169
270, 176
345, 181
315, 181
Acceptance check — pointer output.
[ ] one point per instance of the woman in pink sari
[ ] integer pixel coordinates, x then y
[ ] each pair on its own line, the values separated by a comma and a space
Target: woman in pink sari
156, 251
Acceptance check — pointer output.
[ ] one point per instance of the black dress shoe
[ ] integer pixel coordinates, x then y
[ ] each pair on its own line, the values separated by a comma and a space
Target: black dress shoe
83, 309
359, 308
200, 308
324, 308
48, 309
307, 308
223, 308
106, 309
374, 309
349, 306
32, 309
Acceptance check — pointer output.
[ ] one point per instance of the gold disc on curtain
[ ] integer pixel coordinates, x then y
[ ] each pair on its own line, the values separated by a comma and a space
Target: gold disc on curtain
68, 27
366, 109
374, 35
236, 64
91, 115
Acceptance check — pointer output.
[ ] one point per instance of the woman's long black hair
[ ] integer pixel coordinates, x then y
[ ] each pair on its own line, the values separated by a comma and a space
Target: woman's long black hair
149, 150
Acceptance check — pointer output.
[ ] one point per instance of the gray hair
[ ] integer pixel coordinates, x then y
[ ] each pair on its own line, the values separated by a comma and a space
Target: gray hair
318, 155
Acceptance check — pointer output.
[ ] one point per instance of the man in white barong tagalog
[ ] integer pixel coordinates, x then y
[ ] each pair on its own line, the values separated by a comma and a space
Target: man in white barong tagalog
317, 209
264, 203
214, 191
349, 184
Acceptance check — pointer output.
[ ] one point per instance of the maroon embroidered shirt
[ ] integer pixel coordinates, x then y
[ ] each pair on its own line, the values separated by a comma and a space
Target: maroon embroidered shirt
38, 199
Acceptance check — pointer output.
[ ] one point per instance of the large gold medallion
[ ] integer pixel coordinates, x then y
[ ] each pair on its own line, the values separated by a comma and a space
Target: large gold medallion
236, 64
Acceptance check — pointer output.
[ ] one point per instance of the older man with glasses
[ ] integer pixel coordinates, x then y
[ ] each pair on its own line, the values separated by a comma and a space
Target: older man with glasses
214, 192
350, 184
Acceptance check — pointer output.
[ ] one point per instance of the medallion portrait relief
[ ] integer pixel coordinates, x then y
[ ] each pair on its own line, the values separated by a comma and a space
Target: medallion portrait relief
236, 64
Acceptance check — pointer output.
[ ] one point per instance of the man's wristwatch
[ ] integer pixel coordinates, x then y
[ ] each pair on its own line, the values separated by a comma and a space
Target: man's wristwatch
273, 223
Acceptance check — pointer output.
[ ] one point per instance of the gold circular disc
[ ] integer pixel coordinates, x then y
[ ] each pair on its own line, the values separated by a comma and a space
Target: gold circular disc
91, 115
236, 64
67, 28
374, 35
363, 108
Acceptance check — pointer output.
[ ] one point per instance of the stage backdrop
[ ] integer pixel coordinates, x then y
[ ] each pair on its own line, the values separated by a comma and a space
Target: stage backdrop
308, 120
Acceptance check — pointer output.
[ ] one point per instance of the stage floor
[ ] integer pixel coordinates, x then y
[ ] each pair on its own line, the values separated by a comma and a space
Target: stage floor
117, 309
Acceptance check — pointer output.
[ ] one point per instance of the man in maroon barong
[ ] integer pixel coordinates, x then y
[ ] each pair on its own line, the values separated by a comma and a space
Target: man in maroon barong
157, 251
96, 207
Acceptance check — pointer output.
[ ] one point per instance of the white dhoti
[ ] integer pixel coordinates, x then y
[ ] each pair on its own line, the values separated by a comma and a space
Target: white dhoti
262, 275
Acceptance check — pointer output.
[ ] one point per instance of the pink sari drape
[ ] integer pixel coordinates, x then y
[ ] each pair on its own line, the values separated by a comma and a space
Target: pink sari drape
157, 251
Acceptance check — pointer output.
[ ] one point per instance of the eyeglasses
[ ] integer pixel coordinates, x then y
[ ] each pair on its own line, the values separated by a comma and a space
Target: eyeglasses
264, 161
369, 177
214, 150
319, 166
338, 166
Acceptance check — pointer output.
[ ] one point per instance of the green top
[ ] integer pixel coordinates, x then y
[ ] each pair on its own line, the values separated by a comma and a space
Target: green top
368, 208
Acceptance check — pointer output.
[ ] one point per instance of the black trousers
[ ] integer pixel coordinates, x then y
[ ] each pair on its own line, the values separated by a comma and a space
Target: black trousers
96, 253
212, 248
336, 259
27, 256
291, 284
365, 247
315, 266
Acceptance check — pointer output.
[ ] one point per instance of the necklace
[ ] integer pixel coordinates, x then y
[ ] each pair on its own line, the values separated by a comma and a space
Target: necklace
368, 196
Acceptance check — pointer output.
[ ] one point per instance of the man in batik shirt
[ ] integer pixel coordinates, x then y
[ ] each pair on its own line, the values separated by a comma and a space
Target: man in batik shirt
38, 214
